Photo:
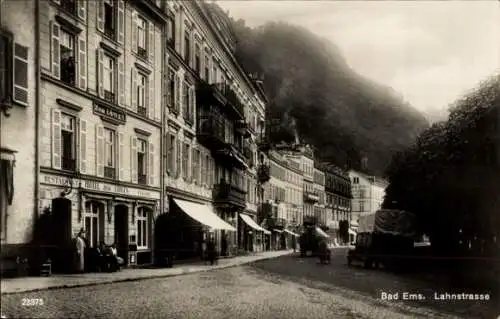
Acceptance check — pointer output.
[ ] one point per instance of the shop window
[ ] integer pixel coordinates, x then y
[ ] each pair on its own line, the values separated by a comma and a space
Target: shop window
142, 228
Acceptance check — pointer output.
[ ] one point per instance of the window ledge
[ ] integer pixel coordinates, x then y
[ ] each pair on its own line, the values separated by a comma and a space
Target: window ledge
110, 49
69, 105
70, 26
142, 132
143, 68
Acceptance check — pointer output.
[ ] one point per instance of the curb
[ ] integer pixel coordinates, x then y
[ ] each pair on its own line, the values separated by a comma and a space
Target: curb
118, 280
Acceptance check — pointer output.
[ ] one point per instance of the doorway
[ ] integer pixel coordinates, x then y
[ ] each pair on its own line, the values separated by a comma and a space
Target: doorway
121, 230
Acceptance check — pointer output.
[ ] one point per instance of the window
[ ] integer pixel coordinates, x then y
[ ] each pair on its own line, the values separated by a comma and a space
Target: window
109, 153
185, 161
93, 224
355, 180
187, 47
170, 153
69, 5
142, 37
197, 59
142, 227
361, 206
68, 133
186, 101
171, 31
214, 73
108, 78
109, 18
142, 81
207, 67
142, 161
196, 166
67, 54
13, 71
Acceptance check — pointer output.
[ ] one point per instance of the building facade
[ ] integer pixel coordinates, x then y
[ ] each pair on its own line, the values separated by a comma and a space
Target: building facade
338, 199
18, 113
368, 194
101, 120
319, 190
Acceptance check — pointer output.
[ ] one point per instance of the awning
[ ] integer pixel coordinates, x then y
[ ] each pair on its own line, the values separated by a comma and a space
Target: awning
203, 214
321, 233
292, 233
351, 232
250, 222
277, 230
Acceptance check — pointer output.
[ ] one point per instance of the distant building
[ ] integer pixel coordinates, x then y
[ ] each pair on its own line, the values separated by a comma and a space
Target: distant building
368, 194
319, 189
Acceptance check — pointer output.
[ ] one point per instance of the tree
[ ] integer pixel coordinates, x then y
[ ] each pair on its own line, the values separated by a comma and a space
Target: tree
450, 177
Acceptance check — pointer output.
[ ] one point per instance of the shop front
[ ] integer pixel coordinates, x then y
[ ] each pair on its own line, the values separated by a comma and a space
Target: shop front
252, 234
185, 230
109, 214
291, 239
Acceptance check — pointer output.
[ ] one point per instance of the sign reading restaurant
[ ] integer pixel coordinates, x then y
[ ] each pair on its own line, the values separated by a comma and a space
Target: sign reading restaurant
98, 186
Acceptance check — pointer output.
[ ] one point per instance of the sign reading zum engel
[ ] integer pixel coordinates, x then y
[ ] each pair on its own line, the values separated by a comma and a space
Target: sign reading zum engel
98, 186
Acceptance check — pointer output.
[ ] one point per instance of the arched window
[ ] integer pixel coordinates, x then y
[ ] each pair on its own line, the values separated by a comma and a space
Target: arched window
143, 227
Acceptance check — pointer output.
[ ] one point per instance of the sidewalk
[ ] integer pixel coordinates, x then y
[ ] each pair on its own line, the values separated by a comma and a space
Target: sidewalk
30, 284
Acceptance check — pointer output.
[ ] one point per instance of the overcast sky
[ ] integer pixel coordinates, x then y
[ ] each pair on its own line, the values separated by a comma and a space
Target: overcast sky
429, 51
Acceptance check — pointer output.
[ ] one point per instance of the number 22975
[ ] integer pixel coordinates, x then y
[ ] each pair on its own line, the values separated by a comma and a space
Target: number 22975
29, 302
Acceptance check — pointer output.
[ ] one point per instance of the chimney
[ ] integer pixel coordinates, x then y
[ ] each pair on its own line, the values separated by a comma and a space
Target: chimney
364, 163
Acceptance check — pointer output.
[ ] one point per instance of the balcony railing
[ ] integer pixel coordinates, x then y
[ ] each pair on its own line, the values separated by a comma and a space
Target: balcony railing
243, 128
142, 179
141, 110
68, 69
223, 93
227, 194
143, 53
109, 96
210, 132
264, 173
109, 172
311, 197
68, 164
69, 6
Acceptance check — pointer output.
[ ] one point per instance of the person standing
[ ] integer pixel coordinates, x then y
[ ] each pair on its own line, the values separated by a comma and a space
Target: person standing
211, 250
80, 251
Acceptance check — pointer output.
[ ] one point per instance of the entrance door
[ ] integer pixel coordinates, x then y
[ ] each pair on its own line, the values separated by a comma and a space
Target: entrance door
121, 230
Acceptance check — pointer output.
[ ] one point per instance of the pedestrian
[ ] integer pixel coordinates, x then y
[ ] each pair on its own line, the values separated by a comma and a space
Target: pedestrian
294, 243
80, 251
211, 250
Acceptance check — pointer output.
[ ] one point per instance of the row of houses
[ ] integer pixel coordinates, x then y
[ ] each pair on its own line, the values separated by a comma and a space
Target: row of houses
134, 121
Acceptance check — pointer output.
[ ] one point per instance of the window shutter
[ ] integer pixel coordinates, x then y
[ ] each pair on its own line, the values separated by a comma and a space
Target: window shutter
82, 62
121, 82
100, 72
151, 48
177, 92
100, 15
158, 77
83, 146
151, 167
168, 154
56, 139
203, 169
178, 162
191, 104
133, 89
81, 8
4, 74
194, 168
133, 159
99, 134
55, 55
121, 156
121, 21
151, 96
20, 68
134, 32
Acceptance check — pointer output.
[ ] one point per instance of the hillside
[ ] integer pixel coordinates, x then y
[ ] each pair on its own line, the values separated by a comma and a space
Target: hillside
342, 114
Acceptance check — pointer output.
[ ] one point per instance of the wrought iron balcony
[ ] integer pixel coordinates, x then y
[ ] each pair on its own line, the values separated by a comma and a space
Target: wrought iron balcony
109, 96
222, 94
264, 173
225, 194
109, 172
69, 6
142, 179
141, 110
231, 155
243, 128
143, 53
68, 164
210, 132
311, 197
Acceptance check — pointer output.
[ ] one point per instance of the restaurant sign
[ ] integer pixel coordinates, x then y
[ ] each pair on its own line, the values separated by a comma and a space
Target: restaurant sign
109, 113
98, 186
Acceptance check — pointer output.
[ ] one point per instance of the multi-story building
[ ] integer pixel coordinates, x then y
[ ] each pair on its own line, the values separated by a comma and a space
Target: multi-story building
338, 199
319, 190
18, 112
283, 196
214, 113
101, 120
368, 194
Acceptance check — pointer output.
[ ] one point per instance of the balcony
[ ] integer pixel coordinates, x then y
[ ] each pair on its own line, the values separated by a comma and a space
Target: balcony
210, 132
109, 172
109, 96
276, 223
247, 152
264, 144
68, 164
68, 70
264, 173
142, 179
230, 155
243, 128
311, 197
223, 95
69, 6
143, 53
227, 195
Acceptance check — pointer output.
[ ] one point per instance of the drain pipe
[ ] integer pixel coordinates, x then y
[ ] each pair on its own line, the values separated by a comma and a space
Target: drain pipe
37, 108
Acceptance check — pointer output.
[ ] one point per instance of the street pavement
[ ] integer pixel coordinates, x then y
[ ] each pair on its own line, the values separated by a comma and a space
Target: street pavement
284, 287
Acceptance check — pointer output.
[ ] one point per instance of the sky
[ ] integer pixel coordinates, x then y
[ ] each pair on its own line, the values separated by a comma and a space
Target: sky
431, 52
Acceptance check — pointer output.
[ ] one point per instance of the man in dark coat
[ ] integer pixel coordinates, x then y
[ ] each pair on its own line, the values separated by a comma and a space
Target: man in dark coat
211, 252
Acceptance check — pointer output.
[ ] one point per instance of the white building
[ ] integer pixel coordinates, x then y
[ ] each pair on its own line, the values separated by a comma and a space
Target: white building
368, 194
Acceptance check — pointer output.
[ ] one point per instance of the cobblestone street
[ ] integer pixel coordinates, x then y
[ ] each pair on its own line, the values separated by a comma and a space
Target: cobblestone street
286, 287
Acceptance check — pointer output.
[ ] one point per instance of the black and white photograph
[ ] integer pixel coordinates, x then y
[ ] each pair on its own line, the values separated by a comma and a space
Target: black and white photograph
250, 159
